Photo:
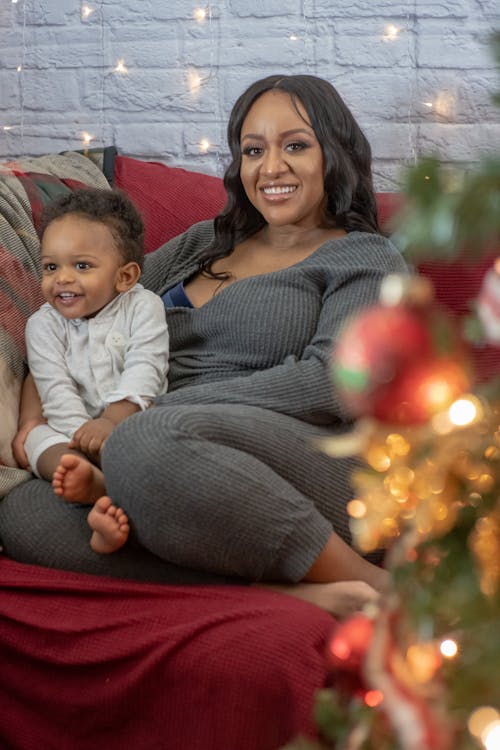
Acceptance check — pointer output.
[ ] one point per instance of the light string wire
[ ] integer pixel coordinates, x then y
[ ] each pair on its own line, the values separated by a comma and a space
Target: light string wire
308, 44
411, 18
21, 82
102, 117
215, 47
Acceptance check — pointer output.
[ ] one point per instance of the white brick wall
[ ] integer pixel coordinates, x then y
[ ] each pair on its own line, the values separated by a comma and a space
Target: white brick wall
68, 86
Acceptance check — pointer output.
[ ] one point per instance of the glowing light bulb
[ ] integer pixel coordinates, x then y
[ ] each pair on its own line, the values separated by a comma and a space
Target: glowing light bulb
120, 67
444, 105
490, 737
204, 145
428, 104
449, 648
86, 138
373, 698
356, 509
200, 14
87, 11
7, 127
391, 32
194, 81
481, 719
19, 68
293, 37
462, 412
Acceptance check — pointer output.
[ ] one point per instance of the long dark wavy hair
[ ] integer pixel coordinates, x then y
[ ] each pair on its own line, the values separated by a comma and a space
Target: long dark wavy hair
350, 198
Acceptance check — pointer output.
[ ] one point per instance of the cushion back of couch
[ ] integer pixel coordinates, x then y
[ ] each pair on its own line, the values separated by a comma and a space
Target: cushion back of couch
170, 199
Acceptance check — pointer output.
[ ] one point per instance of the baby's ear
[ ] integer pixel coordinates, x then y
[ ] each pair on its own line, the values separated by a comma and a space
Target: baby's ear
127, 276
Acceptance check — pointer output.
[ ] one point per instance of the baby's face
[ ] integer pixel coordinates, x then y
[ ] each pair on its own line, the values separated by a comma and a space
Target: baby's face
80, 266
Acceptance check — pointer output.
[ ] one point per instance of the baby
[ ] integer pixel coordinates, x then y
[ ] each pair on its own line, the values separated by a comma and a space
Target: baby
97, 349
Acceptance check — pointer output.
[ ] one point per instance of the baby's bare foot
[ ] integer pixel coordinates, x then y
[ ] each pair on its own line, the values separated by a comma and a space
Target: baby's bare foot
110, 526
77, 480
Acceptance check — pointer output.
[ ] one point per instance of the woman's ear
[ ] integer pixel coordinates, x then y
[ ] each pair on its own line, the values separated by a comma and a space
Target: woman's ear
127, 276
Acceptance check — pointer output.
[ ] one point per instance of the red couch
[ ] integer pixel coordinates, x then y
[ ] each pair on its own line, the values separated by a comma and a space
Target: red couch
91, 662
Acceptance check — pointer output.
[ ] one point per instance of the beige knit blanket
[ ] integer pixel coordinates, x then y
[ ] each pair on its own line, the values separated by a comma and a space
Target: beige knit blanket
25, 187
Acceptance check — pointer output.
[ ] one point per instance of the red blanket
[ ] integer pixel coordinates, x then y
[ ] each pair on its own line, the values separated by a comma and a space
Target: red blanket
90, 662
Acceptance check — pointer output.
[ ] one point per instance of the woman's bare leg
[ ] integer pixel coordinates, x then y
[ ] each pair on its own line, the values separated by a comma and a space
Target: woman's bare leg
340, 599
339, 562
339, 580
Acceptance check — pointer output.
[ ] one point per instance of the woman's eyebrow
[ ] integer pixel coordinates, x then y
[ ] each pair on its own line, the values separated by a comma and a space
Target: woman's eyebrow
285, 133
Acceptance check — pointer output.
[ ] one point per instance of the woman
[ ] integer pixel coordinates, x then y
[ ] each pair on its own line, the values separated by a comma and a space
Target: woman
222, 477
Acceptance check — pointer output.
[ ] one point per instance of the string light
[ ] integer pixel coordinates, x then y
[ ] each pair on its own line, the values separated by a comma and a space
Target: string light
194, 81
200, 14
373, 698
391, 32
87, 11
480, 719
7, 127
449, 648
120, 67
204, 146
463, 411
19, 68
86, 138
293, 37
491, 736
444, 106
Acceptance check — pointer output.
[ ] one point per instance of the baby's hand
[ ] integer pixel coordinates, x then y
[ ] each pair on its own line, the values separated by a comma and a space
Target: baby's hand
91, 436
19, 440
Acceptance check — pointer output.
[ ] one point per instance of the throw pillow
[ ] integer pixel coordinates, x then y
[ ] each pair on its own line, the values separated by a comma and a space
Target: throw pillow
170, 199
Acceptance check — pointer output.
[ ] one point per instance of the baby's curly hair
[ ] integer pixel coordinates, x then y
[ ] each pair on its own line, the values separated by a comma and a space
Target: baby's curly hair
110, 207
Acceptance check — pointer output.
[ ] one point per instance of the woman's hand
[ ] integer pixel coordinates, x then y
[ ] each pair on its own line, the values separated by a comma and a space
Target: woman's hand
20, 438
30, 416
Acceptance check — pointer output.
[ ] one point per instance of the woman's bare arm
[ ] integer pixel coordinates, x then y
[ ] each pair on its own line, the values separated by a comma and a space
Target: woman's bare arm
30, 415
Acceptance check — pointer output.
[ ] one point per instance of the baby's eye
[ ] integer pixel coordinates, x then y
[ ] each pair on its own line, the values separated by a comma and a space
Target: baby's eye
82, 265
252, 151
49, 267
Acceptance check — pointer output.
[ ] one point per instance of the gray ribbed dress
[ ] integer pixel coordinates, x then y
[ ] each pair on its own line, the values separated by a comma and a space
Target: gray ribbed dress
222, 477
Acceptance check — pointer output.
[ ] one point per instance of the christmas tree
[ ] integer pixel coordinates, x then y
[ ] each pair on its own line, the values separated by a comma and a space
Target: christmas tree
421, 672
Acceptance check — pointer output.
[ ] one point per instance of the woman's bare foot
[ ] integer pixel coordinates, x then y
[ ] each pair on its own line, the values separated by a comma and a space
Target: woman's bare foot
340, 599
110, 526
77, 480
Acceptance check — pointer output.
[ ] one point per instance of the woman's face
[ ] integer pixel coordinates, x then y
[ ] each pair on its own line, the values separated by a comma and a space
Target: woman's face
282, 162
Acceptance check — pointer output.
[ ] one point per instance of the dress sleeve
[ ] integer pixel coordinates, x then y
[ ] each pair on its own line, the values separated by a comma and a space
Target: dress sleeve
302, 387
176, 258
146, 360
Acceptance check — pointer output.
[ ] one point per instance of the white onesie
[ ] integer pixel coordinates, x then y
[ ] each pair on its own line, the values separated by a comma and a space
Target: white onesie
82, 365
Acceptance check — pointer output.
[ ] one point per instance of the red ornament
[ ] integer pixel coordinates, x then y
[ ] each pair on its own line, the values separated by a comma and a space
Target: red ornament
420, 391
399, 364
349, 643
